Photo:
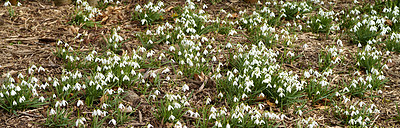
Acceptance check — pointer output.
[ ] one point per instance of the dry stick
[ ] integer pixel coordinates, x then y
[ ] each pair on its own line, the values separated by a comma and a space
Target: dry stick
22, 39
334, 79
32, 115
105, 38
373, 122
34, 109
140, 117
13, 116
202, 86
138, 124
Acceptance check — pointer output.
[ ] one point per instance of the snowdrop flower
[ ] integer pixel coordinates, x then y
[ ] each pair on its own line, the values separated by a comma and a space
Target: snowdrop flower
113, 121
120, 90
359, 45
121, 106
218, 124
305, 46
157, 92
79, 103
13, 93
126, 78
220, 95
52, 112
185, 87
7, 4
41, 99
22, 99
80, 121
171, 118
339, 43
143, 21
232, 32
208, 101
229, 45
19, 4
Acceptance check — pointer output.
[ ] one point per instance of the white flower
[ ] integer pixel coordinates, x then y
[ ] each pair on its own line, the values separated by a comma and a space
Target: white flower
80, 121
205, 6
52, 112
171, 48
79, 103
149, 126
113, 121
7, 4
126, 78
19, 4
220, 95
178, 125
232, 32
171, 118
339, 43
121, 106
170, 108
64, 103
218, 124
235, 99
185, 87
104, 106
305, 46
307, 74
157, 92
13, 93
208, 101
120, 90
143, 21
300, 112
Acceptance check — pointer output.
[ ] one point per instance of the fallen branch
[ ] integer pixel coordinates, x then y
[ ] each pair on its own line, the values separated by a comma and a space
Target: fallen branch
22, 39
27, 114
202, 85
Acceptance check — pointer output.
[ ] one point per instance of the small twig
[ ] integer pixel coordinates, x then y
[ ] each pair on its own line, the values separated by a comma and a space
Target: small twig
13, 116
193, 81
140, 117
291, 66
34, 110
373, 122
32, 115
105, 38
138, 124
22, 39
202, 86
334, 78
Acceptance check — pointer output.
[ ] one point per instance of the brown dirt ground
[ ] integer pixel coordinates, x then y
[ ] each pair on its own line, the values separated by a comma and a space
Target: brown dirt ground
30, 38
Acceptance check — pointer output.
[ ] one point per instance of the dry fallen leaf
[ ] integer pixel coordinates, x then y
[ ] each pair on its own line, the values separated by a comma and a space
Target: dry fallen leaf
388, 22
270, 103
200, 77
321, 107
260, 98
103, 98
169, 125
169, 8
